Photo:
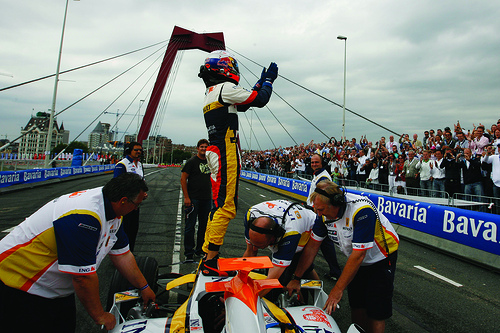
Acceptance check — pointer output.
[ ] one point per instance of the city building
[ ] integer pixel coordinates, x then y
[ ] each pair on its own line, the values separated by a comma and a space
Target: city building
129, 138
155, 148
99, 136
65, 134
34, 134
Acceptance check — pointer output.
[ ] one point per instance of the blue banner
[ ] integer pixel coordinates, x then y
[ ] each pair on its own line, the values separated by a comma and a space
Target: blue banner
8, 178
295, 186
475, 229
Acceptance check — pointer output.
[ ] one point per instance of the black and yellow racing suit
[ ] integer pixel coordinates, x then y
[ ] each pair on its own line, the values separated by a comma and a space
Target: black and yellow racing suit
222, 102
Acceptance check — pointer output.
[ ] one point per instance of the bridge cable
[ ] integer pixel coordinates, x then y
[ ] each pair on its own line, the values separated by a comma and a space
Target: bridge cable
243, 132
267, 107
135, 98
158, 121
167, 92
98, 116
297, 111
83, 66
108, 82
321, 96
21, 136
126, 109
137, 113
252, 132
259, 117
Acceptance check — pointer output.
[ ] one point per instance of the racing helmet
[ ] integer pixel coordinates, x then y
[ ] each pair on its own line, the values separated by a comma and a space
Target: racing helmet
220, 66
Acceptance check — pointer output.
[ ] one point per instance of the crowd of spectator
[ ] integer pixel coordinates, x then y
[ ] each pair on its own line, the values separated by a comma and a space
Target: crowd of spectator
449, 160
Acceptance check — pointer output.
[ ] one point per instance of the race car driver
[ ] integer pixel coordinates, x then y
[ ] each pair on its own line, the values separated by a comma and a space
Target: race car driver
223, 99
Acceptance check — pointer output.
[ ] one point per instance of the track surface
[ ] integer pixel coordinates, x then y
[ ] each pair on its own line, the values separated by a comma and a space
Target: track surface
423, 302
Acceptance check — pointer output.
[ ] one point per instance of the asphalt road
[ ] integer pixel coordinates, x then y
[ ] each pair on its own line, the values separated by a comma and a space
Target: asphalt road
461, 298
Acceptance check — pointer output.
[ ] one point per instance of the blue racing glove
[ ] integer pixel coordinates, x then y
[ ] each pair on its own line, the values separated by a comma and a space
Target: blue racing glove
259, 83
271, 73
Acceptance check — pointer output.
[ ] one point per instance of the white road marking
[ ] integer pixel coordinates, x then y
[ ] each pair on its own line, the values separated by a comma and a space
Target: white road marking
176, 257
456, 284
153, 172
262, 195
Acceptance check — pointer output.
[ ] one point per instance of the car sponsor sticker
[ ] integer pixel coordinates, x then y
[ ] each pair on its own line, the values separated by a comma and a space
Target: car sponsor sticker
316, 315
126, 296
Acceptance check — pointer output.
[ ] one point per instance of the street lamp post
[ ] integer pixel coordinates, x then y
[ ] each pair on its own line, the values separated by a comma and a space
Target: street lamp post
138, 118
54, 96
343, 107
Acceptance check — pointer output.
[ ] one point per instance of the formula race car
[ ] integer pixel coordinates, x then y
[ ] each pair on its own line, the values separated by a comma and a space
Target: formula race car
219, 304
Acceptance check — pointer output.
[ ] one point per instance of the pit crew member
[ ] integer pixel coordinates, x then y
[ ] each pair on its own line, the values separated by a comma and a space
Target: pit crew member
56, 251
369, 241
284, 227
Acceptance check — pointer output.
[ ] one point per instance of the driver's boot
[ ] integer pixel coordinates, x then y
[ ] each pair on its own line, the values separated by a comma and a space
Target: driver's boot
211, 268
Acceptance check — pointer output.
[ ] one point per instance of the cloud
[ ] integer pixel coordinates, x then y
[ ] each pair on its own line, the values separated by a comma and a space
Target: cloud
410, 65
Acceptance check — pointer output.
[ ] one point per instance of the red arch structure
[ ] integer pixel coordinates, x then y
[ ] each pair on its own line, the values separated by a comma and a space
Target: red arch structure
181, 39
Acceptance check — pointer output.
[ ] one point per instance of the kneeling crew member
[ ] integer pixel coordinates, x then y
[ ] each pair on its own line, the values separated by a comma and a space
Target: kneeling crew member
284, 227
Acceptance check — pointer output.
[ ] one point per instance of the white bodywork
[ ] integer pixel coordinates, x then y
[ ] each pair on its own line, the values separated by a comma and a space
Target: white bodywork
239, 315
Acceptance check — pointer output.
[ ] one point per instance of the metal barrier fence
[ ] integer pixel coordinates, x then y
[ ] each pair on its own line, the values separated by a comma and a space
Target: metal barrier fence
478, 203
15, 165
459, 200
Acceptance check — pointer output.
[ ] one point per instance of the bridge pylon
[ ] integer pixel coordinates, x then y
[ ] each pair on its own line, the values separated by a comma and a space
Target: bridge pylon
181, 39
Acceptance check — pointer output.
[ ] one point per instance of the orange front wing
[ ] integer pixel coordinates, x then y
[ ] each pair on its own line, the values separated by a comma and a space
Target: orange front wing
242, 286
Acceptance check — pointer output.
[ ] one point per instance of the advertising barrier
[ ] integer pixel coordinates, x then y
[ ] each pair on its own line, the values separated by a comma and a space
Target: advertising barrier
9, 178
475, 229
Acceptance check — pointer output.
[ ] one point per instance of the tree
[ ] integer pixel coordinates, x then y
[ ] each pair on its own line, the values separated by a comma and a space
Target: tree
57, 149
70, 148
177, 157
77, 145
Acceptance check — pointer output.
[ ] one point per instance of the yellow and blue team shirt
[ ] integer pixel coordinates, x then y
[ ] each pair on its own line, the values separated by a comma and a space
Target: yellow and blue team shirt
298, 224
68, 236
127, 165
319, 175
361, 228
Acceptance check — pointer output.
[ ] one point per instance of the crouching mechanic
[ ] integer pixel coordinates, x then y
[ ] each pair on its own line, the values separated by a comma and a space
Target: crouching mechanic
223, 99
56, 251
285, 228
369, 241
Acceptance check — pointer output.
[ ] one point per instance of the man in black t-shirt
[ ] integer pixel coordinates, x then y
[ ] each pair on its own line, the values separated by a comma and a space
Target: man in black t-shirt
197, 189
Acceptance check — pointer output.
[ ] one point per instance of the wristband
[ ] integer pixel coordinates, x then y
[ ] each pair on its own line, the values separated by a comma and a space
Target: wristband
141, 289
295, 277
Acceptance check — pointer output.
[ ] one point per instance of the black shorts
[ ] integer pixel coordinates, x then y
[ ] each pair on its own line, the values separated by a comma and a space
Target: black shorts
372, 288
24, 312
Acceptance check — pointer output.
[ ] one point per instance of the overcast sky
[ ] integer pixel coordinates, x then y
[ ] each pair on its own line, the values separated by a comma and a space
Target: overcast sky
411, 65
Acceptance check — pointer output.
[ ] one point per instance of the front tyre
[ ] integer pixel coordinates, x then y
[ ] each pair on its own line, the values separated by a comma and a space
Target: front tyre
148, 267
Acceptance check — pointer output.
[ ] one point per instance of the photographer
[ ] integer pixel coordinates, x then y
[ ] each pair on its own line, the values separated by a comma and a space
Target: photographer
352, 164
383, 176
362, 170
471, 169
489, 158
452, 173
411, 172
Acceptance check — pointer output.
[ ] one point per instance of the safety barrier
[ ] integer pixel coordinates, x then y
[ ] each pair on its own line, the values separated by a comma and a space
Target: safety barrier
474, 229
9, 178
